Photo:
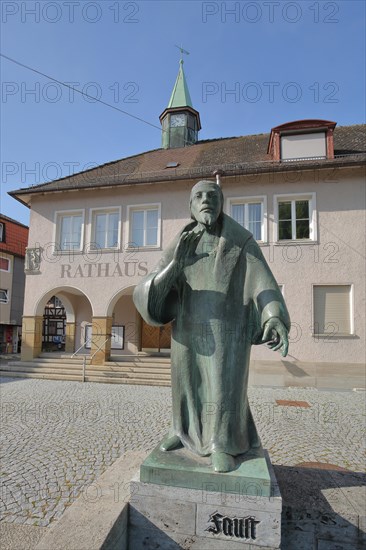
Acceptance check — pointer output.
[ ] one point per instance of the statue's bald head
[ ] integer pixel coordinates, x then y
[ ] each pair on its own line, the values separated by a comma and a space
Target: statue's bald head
206, 202
206, 184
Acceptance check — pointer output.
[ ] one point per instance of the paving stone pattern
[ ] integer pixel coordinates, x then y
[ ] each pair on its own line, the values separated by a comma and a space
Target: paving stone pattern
57, 438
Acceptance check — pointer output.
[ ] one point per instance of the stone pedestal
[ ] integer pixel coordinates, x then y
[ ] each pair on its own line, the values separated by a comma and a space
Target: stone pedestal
178, 501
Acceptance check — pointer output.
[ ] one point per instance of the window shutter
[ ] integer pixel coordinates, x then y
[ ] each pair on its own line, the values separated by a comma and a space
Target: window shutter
299, 146
332, 309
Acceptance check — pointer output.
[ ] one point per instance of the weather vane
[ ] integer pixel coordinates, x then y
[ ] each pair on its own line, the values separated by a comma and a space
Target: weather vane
182, 51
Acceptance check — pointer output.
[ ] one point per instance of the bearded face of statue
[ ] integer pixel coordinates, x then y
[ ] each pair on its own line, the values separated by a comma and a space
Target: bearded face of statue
206, 203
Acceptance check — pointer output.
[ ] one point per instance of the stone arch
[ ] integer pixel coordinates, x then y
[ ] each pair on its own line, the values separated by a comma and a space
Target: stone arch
61, 292
79, 316
127, 291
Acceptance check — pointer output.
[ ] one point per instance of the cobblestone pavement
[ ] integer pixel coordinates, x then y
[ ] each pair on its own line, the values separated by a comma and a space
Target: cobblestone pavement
58, 437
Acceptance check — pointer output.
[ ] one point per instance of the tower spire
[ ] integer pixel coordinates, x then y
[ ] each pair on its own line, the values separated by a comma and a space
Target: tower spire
180, 95
180, 121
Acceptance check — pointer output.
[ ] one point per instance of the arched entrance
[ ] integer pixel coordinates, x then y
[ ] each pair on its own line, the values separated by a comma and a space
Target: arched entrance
68, 311
54, 325
130, 332
125, 323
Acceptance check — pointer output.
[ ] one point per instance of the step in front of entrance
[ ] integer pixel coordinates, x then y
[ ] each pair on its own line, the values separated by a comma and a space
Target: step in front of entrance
145, 372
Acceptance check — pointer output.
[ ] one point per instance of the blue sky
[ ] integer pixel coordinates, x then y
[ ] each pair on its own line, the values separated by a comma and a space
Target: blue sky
280, 60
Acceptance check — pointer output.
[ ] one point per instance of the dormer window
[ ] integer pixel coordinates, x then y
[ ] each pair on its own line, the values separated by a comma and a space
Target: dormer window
303, 146
302, 140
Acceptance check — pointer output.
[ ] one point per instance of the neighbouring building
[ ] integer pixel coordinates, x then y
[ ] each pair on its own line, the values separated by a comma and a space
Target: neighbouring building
300, 190
13, 241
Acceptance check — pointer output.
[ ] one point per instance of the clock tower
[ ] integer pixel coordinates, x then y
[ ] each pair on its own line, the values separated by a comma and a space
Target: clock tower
180, 121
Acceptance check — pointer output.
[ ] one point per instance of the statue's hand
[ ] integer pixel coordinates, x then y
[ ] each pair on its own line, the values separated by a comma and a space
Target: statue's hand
276, 334
185, 248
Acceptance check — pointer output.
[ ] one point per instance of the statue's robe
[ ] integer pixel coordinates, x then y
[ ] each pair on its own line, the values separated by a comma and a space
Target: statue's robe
218, 308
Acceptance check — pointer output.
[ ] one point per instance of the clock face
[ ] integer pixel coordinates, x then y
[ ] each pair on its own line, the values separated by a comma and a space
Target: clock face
177, 120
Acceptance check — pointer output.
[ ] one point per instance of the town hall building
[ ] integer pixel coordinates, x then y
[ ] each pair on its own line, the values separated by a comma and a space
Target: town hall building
298, 188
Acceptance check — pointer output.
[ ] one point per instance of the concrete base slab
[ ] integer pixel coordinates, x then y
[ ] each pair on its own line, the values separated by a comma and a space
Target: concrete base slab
180, 468
170, 516
158, 540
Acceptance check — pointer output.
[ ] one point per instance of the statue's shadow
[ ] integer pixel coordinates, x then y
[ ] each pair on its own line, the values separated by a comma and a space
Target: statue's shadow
321, 508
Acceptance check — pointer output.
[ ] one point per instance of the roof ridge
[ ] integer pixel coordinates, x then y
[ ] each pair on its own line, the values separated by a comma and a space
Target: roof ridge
350, 126
7, 218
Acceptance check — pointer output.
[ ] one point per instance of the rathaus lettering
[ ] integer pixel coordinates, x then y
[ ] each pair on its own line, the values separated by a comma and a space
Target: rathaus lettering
123, 269
240, 528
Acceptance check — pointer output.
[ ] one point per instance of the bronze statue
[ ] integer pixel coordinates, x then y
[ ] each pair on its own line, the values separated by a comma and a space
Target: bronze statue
215, 286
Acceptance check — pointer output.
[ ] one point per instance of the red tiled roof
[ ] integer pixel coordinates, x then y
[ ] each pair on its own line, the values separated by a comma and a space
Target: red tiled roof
245, 154
16, 236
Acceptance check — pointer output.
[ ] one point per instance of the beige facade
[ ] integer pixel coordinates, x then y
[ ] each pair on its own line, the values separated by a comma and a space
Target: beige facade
95, 286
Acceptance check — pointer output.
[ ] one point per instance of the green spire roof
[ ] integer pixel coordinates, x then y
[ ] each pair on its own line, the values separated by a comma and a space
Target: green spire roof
180, 96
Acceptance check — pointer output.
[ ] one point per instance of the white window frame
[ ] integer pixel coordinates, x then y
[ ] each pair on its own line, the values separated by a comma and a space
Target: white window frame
2, 232
59, 214
252, 199
144, 207
313, 233
4, 301
106, 210
351, 312
9, 264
